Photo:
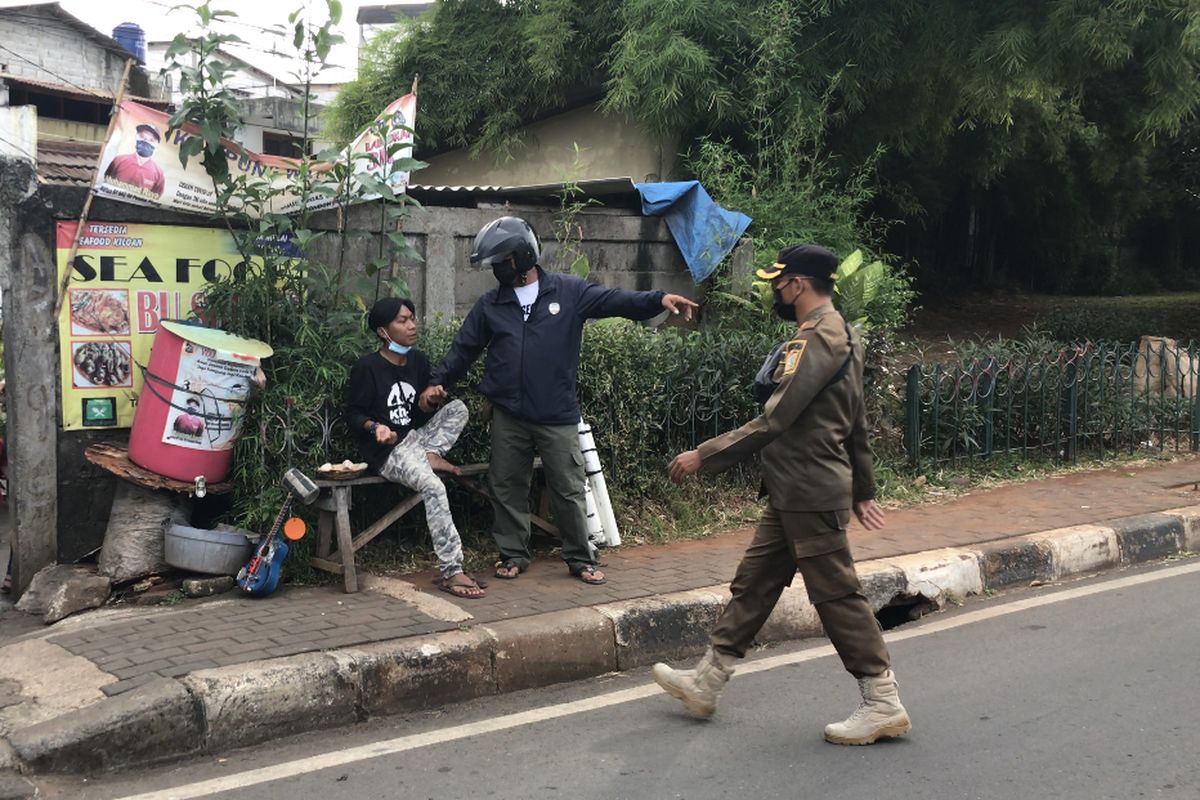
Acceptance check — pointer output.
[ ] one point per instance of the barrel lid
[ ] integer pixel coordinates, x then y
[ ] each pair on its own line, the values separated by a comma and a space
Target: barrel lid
228, 346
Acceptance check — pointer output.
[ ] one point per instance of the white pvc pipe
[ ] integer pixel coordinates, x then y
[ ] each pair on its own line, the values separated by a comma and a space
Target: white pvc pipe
595, 530
598, 488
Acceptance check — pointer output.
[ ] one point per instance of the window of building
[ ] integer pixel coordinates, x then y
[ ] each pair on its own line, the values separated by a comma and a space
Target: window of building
281, 144
53, 106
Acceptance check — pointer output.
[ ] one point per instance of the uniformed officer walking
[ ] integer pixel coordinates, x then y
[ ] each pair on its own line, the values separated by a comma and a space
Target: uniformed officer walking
816, 468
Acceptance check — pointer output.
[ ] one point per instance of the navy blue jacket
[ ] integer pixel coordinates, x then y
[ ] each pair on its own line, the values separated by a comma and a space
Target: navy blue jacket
531, 365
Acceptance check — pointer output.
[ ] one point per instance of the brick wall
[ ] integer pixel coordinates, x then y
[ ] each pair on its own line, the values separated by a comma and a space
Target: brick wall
59, 52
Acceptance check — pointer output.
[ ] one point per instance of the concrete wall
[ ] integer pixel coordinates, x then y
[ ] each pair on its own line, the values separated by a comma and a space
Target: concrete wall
610, 145
625, 249
60, 52
27, 278
18, 132
49, 128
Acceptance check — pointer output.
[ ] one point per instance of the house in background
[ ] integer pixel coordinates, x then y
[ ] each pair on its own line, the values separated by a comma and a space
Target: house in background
272, 107
577, 143
374, 19
68, 70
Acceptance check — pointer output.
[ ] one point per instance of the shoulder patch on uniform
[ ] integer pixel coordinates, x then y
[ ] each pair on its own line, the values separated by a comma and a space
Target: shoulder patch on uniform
792, 355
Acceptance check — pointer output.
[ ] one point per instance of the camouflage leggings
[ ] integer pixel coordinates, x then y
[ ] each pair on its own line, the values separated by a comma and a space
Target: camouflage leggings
408, 466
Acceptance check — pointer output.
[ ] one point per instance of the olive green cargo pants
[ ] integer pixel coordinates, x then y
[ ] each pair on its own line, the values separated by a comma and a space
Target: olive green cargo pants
509, 474
815, 544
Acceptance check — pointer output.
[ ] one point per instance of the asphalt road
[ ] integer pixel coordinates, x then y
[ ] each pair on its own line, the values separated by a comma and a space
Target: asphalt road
1041, 693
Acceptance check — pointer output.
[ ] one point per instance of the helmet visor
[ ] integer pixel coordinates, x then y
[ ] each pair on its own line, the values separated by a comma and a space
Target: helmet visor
488, 261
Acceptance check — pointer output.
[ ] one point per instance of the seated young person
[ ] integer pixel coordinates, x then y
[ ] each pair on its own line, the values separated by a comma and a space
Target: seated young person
404, 440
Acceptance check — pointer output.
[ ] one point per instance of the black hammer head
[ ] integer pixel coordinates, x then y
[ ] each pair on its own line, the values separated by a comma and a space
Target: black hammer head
300, 485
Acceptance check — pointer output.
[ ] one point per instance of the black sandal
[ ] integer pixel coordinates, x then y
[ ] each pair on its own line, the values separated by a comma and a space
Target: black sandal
588, 575
506, 565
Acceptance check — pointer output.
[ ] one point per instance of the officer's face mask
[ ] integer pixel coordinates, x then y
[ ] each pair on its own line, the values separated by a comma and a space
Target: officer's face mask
785, 311
144, 149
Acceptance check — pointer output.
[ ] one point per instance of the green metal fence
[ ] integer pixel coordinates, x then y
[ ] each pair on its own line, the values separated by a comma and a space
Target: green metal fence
1093, 399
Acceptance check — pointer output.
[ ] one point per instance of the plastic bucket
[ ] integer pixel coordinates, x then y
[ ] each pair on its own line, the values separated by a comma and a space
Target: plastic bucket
192, 404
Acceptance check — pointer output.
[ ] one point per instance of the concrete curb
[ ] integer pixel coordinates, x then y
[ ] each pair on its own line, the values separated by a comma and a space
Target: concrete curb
214, 710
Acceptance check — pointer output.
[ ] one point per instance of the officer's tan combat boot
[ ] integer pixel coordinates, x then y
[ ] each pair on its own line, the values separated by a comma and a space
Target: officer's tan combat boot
879, 716
698, 688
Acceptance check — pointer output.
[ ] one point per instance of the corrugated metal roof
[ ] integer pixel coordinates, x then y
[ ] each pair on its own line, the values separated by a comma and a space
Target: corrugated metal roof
95, 95
620, 191
67, 162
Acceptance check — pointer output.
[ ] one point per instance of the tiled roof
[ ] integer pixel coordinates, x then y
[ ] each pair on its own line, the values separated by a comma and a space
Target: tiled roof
67, 162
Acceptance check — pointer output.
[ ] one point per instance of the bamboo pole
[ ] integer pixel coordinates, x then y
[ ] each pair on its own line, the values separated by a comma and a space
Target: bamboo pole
87, 204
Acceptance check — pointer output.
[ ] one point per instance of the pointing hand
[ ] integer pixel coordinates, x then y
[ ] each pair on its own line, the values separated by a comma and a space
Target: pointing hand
676, 303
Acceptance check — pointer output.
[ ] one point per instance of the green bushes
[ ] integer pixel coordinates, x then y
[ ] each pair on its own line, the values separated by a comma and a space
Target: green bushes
647, 395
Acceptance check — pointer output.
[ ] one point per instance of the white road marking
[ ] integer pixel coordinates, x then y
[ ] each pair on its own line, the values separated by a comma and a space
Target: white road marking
402, 744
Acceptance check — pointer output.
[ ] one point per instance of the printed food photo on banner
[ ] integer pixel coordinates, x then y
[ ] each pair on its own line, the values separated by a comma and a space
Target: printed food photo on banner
101, 364
99, 311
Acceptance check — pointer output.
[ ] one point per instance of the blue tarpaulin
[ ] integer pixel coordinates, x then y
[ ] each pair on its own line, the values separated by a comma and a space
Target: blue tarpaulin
704, 232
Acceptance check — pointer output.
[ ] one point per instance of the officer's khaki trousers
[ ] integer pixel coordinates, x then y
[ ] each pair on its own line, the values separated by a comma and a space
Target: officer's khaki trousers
815, 544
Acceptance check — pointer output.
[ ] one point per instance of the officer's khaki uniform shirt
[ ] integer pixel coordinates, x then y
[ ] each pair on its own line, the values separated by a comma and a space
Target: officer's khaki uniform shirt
813, 439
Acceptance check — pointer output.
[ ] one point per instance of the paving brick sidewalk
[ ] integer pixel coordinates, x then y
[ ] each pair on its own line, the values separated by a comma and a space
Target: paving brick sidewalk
297, 620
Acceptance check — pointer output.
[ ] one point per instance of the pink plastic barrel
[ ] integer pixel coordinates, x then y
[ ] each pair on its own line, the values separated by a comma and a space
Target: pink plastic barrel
193, 397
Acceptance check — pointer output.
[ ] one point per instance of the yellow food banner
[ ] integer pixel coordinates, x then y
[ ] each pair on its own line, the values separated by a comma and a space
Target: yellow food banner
125, 279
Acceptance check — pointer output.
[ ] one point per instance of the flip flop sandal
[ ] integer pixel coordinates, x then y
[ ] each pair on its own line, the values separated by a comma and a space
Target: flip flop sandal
508, 565
453, 588
588, 576
480, 582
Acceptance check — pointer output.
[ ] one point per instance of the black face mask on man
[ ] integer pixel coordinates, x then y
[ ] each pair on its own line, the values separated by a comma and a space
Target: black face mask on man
785, 311
505, 271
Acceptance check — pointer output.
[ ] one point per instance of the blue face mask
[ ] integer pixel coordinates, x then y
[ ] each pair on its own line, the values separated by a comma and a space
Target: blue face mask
398, 349
144, 149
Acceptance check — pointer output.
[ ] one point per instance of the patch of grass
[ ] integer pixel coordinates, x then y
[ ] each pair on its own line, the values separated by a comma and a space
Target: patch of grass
173, 598
696, 510
905, 487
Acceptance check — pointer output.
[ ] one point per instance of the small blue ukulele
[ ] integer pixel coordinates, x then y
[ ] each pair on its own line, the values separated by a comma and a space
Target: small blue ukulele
261, 576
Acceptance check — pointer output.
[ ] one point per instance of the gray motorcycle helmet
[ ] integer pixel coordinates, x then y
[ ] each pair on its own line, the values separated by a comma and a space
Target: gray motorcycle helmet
504, 237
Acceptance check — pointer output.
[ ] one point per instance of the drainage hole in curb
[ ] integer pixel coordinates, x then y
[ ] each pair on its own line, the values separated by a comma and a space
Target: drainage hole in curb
903, 609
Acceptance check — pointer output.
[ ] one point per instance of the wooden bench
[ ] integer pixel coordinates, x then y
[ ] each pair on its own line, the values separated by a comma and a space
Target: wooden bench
333, 520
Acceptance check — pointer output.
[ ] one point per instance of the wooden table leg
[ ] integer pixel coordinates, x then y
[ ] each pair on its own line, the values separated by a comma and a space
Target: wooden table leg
341, 499
324, 533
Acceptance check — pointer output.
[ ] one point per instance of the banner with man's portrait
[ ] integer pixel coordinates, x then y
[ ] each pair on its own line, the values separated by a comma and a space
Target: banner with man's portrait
141, 165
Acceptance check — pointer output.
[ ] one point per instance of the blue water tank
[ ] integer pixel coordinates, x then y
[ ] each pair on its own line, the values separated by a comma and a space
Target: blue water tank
131, 36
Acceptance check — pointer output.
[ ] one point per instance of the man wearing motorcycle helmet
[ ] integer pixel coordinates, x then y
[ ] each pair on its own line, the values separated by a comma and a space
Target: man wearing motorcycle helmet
531, 325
